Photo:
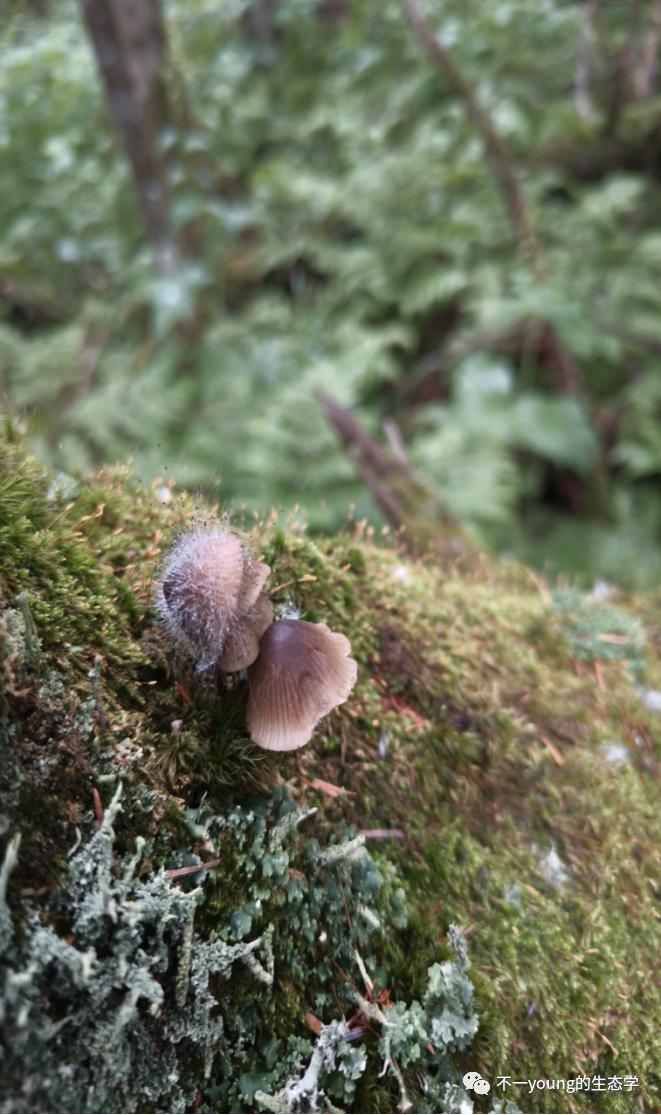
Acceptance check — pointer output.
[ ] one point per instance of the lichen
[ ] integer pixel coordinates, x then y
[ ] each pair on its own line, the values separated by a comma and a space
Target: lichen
115, 1011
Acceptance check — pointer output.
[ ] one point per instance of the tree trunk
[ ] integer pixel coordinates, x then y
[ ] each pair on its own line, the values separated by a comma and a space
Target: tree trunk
130, 43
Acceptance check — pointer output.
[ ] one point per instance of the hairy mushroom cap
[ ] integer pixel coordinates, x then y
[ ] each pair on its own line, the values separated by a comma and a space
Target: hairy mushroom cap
202, 582
302, 672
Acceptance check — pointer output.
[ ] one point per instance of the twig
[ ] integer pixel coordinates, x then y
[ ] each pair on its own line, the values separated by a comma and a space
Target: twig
182, 687
345, 978
554, 751
352, 432
382, 834
390, 701
363, 1029
343, 570
327, 787
638, 340
346, 908
583, 59
336, 999
177, 872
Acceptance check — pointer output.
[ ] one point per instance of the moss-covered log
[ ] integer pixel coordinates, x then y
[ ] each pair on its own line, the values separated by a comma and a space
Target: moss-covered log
493, 781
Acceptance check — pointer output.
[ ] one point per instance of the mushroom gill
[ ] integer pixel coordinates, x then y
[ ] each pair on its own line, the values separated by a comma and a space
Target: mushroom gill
302, 672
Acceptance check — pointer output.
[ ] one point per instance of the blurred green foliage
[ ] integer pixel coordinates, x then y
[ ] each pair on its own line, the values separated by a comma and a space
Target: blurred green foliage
345, 232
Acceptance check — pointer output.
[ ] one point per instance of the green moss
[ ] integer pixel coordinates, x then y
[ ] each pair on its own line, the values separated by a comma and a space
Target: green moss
475, 727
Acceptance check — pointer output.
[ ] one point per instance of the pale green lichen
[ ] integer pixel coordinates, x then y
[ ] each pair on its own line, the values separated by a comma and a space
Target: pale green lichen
75, 1010
446, 1019
596, 630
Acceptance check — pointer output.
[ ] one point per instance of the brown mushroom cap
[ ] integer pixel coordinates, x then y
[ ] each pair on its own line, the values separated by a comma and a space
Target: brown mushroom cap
302, 672
254, 577
201, 585
242, 644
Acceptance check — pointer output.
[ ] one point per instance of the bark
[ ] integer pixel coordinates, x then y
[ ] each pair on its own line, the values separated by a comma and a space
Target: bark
130, 43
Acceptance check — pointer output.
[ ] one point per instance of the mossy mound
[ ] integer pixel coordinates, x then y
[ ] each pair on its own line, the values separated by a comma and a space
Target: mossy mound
496, 751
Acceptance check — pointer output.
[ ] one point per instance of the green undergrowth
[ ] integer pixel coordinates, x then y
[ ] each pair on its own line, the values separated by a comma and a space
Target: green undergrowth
500, 757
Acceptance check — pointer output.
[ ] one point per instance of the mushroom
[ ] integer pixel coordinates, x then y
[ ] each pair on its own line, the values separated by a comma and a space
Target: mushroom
210, 595
254, 613
242, 644
203, 579
302, 672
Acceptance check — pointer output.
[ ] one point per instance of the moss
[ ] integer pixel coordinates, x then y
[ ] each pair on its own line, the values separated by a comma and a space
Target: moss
475, 727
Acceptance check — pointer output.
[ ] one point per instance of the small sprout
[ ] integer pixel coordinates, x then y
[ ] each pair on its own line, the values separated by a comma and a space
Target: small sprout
303, 672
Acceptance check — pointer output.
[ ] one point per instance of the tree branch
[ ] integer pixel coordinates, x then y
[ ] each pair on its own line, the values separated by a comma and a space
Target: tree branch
497, 153
403, 497
129, 40
563, 367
